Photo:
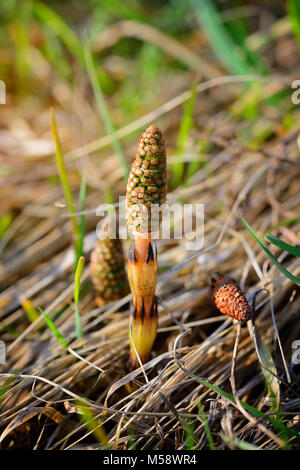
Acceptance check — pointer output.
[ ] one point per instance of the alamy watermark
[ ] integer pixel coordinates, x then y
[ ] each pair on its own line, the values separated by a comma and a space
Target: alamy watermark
2, 352
2, 92
296, 94
296, 354
2, 101
164, 222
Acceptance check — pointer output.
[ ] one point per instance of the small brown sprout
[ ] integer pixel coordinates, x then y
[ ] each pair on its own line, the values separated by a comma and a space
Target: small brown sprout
227, 297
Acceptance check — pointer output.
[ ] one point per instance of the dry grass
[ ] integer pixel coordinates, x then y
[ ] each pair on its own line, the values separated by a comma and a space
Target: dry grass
42, 384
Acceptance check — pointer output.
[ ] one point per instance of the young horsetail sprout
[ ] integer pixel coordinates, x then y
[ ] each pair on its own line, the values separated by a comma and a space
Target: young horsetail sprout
147, 185
108, 271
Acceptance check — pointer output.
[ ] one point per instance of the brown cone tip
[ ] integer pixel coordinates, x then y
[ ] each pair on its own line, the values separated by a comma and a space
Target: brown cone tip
147, 183
108, 270
229, 299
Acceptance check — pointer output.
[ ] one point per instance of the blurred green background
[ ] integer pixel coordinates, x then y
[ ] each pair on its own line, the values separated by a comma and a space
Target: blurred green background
42, 43
109, 62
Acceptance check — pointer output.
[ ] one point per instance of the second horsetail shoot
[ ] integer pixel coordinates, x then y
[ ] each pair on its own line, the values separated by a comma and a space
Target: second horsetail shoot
108, 271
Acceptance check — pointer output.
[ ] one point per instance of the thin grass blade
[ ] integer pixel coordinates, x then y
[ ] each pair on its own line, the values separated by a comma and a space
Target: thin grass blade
270, 255
110, 129
293, 8
184, 131
82, 197
78, 274
30, 311
52, 20
281, 427
189, 432
224, 46
92, 424
65, 183
206, 427
54, 329
294, 250
242, 445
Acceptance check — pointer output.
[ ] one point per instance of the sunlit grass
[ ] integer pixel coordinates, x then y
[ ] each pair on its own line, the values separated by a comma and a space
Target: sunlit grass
77, 230
271, 256
78, 274
54, 329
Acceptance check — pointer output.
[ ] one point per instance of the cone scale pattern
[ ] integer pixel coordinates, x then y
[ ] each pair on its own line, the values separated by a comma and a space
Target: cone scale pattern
108, 271
147, 183
228, 298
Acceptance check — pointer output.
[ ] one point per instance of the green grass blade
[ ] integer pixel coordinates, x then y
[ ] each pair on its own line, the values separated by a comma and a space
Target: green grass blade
189, 435
30, 311
78, 274
54, 329
109, 127
281, 427
5, 222
82, 197
223, 44
206, 427
284, 246
19, 34
186, 125
14, 333
270, 375
65, 184
54, 52
242, 445
109, 199
7, 384
286, 223
132, 439
270, 255
293, 8
239, 31
125, 11
108, 196
202, 162
52, 20
61, 166
91, 423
